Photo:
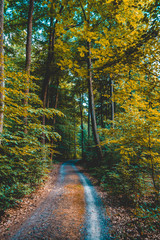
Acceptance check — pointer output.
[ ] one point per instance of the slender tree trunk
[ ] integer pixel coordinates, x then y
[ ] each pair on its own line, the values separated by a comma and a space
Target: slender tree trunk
28, 58
29, 36
69, 144
89, 76
92, 107
107, 106
54, 119
48, 72
89, 110
2, 81
50, 61
50, 58
75, 147
48, 64
102, 123
91, 97
56, 101
112, 101
82, 129
89, 119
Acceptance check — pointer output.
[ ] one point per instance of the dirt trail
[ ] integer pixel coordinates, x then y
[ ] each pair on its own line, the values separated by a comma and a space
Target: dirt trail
72, 210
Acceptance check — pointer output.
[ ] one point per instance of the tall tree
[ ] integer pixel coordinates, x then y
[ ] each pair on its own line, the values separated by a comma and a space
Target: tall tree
92, 106
112, 101
49, 65
51, 56
50, 74
2, 83
29, 36
28, 55
90, 90
82, 127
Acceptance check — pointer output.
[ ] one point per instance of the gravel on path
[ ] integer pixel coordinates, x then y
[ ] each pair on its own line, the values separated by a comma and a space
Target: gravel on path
71, 210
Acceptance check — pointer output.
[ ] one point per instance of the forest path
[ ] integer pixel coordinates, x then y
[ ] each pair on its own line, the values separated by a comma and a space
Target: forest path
72, 210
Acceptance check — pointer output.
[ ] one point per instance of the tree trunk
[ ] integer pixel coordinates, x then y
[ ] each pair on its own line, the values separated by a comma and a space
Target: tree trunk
55, 103
82, 129
29, 36
49, 70
47, 78
48, 64
50, 58
28, 58
92, 107
89, 119
107, 105
69, 148
54, 119
2, 81
91, 97
112, 101
75, 147
101, 111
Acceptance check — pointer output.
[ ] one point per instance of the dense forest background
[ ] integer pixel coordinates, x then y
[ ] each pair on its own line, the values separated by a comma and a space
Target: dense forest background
80, 79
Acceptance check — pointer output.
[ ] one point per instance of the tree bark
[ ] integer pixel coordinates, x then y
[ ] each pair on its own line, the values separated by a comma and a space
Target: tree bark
2, 81
47, 78
75, 147
101, 110
112, 101
28, 58
89, 119
91, 97
82, 129
92, 106
54, 119
49, 62
29, 36
50, 58
107, 100
55, 102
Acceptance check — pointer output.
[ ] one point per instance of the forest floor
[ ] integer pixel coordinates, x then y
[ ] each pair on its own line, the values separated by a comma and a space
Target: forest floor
124, 224
58, 211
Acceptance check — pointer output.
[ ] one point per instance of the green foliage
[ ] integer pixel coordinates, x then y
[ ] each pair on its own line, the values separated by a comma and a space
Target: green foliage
131, 161
124, 51
22, 163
